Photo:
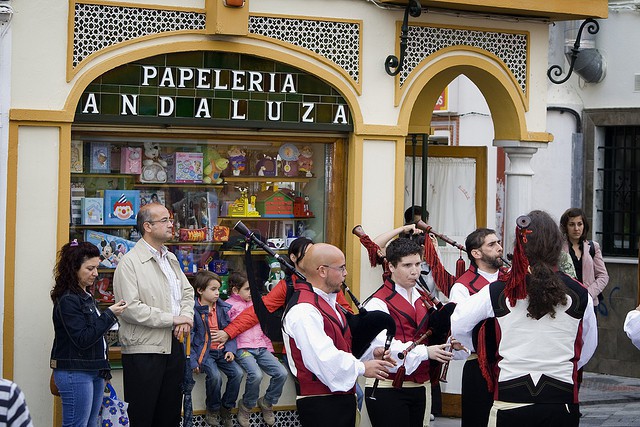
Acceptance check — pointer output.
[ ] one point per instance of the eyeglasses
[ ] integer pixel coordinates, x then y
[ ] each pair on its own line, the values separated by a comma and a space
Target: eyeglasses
163, 221
341, 269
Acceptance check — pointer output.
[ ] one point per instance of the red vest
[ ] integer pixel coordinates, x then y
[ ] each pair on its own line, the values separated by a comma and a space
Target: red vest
472, 280
308, 383
411, 322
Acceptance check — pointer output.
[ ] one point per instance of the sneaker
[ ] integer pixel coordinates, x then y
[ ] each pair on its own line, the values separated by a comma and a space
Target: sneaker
244, 414
267, 412
212, 418
225, 417
432, 417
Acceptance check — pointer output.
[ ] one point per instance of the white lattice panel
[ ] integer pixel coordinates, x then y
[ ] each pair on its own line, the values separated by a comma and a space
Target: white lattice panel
339, 42
511, 48
283, 419
97, 27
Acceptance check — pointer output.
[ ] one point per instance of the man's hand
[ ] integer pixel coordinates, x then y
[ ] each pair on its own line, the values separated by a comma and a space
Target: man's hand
183, 325
219, 336
379, 353
456, 345
438, 352
378, 369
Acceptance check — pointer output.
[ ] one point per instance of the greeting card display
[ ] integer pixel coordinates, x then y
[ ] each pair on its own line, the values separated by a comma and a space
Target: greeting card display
92, 211
100, 160
121, 207
76, 157
185, 167
112, 248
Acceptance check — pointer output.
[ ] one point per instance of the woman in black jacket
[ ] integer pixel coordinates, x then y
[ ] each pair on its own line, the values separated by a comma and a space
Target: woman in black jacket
79, 353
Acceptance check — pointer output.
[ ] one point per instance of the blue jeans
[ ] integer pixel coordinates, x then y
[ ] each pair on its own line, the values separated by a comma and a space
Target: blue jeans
81, 393
212, 366
254, 361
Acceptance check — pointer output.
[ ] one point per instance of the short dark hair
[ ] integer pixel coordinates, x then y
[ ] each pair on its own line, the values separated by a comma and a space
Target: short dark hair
475, 240
414, 210
202, 279
299, 247
572, 213
237, 279
400, 248
70, 258
144, 215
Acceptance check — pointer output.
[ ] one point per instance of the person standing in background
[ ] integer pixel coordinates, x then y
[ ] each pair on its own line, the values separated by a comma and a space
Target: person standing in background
160, 313
79, 353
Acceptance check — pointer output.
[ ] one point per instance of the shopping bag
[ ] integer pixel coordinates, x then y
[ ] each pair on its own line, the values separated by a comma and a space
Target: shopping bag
113, 411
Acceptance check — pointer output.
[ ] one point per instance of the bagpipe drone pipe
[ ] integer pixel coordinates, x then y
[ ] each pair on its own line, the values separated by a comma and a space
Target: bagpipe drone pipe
364, 326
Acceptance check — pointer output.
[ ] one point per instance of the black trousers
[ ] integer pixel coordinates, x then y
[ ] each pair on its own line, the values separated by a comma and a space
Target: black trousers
334, 410
153, 387
396, 407
540, 415
476, 399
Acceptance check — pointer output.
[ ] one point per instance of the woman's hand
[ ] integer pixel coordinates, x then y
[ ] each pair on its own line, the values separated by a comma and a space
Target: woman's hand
229, 356
118, 307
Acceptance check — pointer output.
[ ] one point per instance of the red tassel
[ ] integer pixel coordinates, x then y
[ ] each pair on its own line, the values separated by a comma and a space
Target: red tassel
399, 378
441, 276
483, 361
372, 249
516, 279
460, 267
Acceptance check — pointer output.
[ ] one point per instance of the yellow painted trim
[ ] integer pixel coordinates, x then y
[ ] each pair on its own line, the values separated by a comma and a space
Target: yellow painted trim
354, 210
399, 184
499, 90
539, 137
216, 45
356, 84
64, 189
399, 90
8, 328
72, 71
367, 130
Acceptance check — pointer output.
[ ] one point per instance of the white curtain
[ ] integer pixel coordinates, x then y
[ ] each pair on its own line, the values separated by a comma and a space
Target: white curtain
451, 199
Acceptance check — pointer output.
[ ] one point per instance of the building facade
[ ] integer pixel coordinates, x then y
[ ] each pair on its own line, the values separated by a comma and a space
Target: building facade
209, 75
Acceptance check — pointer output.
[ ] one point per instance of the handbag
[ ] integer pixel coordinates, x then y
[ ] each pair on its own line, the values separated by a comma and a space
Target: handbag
53, 387
113, 411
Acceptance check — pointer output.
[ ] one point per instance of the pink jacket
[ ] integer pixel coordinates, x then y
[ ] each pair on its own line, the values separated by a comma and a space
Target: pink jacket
253, 337
594, 272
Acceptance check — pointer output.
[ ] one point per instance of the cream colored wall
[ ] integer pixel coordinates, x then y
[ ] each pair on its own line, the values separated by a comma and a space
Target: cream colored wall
37, 201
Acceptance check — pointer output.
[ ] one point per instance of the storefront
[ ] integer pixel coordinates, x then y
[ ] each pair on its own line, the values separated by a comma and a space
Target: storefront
202, 106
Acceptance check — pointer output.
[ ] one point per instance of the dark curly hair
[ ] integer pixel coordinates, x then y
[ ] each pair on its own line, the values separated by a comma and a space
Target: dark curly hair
298, 248
543, 247
70, 259
400, 248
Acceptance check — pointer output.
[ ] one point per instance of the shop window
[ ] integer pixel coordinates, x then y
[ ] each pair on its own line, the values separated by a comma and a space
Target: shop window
620, 192
279, 190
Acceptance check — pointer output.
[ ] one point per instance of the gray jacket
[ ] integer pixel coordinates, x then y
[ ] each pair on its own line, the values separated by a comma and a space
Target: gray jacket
146, 325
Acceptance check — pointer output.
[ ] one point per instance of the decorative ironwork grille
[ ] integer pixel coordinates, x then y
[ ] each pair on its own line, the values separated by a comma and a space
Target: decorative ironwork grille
511, 48
283, 419
620, 193
339, 42
97, 27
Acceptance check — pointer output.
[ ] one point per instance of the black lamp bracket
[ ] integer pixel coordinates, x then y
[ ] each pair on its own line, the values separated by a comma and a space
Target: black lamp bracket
592, 27
392, 64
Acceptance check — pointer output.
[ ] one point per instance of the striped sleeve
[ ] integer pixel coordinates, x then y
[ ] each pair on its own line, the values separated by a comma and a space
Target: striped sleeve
13, 406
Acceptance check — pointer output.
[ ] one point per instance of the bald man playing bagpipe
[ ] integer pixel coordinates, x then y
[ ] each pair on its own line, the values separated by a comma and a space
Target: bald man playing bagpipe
318, 343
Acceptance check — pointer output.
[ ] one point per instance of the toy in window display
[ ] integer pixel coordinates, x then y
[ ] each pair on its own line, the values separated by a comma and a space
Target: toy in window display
121, 207
100, 158
237, 160
153, 167
241, 206
289, 154
305, 161
76, 157
266, 165
214, 164
103, 293
131, 160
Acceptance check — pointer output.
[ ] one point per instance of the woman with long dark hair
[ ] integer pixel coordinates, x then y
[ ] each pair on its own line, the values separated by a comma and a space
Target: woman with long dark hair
585, 254
79, 353
545, 331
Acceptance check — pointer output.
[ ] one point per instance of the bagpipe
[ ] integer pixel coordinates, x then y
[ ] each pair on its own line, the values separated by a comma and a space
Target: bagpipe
364, 325
439, 313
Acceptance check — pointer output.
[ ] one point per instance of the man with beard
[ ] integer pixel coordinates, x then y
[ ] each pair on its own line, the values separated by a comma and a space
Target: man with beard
485, 252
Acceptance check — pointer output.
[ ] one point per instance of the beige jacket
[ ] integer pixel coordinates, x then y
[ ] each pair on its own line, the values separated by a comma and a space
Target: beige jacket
146, 325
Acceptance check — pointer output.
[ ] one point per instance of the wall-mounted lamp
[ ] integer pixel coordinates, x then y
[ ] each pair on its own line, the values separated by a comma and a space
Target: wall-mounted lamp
592, 27
233, 3
413, 8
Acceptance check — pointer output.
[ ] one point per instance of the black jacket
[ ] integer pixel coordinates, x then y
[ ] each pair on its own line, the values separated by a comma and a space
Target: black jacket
79, 329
